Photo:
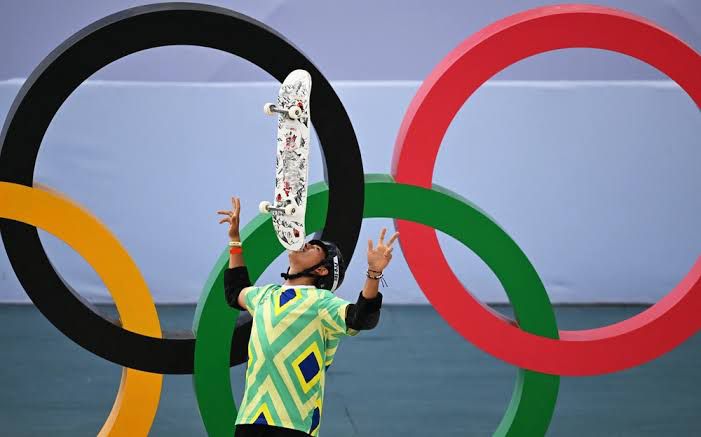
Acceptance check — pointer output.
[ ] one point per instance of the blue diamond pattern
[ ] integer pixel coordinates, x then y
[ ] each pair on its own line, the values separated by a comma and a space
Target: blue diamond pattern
261, 419
309, 367
315, 419
286, 296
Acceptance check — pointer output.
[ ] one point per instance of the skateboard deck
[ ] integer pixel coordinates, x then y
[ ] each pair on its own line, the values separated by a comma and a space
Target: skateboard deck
289, 203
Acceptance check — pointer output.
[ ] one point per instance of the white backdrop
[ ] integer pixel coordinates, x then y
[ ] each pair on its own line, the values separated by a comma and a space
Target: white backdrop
351, 40
596, 181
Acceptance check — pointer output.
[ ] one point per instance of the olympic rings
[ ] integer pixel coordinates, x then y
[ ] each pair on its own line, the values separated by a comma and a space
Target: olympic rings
139, 392
608, 349
535, 394
92, 48
138, 343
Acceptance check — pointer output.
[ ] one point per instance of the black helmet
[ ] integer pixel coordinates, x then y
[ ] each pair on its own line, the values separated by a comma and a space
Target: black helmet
334, 263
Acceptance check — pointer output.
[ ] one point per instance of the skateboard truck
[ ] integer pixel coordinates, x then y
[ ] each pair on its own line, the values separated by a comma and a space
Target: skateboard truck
266, 208
295, 112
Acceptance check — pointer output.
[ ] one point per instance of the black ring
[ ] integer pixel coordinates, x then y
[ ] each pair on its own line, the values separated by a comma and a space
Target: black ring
92, 48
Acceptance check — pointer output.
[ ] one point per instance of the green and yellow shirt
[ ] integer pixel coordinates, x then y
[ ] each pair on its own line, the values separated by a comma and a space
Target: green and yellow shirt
294, 337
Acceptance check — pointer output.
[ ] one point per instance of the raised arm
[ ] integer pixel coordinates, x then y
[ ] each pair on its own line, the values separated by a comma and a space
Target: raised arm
365, 313
236, 276
378, 259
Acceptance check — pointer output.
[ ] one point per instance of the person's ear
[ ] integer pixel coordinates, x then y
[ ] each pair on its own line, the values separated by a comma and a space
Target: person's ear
322, 271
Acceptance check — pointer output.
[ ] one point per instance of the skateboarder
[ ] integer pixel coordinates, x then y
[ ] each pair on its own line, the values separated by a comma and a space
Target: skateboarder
296, 329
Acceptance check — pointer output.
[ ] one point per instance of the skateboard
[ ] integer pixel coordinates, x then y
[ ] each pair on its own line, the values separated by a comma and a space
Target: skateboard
291, 160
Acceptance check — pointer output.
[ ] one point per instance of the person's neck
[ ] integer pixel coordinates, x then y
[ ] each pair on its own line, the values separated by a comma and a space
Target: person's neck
299, 281
303, 280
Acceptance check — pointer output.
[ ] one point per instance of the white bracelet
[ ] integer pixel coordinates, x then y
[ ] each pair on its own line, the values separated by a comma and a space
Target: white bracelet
234, 243
380, 277
374, 277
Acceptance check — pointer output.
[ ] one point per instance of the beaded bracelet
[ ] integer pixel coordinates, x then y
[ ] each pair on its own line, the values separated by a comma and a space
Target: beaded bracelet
379, 277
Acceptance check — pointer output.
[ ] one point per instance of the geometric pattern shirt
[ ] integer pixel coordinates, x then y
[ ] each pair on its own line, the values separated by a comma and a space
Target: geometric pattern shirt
295, 333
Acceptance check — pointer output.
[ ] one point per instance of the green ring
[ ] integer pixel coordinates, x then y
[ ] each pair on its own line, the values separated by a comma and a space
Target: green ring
535, 394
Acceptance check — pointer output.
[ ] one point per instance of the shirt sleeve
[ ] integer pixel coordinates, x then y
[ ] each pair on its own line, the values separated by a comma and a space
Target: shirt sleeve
331, 344
252, 297
332, 312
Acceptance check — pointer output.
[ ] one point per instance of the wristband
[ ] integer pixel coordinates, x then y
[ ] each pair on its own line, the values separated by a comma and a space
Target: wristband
373, 277
234, 243
236, 251
379, 277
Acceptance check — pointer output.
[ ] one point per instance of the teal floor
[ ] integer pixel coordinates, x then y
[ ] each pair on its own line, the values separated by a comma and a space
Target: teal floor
412, 376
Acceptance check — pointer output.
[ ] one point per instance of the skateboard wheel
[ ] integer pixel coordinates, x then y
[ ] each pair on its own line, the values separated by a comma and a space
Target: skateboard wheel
263, 207
289, 210
268, 108
294, 112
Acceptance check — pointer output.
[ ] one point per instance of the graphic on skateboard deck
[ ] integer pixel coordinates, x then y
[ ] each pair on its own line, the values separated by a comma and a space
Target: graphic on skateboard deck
291, 161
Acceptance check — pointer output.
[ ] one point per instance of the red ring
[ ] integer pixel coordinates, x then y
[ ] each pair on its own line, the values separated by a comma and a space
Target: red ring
629, 343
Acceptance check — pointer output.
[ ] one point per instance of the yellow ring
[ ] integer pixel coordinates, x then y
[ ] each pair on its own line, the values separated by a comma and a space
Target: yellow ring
139, 392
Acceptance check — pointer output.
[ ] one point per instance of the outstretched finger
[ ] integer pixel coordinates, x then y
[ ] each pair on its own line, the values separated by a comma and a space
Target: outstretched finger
225, 220
370, 244
392, 239
238, 205
381, 241
224, 212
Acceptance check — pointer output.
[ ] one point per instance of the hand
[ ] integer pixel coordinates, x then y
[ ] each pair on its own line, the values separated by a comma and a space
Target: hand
380, 255
232, 217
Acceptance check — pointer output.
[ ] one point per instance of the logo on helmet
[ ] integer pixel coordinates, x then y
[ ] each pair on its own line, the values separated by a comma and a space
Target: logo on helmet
336, 273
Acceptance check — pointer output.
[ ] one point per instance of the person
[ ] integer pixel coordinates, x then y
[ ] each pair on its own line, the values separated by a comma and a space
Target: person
296, 330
